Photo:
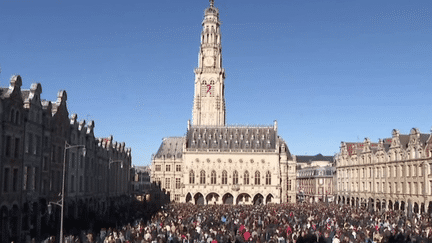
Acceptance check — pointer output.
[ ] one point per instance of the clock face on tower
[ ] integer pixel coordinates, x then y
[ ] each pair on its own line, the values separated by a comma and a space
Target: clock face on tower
208, 61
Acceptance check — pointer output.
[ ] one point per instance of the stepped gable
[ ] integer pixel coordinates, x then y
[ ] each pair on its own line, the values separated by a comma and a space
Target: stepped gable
232, 137
171, 146
404, 140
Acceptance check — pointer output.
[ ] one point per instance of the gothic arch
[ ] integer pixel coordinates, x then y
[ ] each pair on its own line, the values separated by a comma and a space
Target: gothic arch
269, 198
258, 199
189, 197
243, 198
212, 198
199, 199
228, 199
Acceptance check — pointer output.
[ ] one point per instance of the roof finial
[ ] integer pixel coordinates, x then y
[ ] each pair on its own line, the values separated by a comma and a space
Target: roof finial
211, 3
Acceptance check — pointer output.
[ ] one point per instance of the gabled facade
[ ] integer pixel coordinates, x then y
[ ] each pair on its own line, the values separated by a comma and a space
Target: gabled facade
395, 174
33, 136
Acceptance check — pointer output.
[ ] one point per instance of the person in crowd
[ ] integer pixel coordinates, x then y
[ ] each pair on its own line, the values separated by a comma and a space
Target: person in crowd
278, 223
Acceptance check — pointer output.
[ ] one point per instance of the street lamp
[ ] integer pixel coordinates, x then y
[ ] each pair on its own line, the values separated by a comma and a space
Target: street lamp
61, 202
115, 161
109, 167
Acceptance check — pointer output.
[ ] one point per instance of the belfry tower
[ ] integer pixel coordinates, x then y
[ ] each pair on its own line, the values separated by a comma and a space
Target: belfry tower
209, 98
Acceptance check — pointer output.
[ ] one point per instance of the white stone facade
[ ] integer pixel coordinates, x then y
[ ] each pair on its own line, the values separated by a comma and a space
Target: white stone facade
219, 164
209, 101
395, 173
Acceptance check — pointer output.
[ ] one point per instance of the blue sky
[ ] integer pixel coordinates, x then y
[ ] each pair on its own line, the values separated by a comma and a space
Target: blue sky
327, 71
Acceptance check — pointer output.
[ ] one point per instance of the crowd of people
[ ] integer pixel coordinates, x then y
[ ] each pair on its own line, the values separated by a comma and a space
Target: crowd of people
278, 223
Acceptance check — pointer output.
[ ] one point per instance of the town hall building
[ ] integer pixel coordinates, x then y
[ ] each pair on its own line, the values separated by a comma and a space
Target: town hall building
219, 164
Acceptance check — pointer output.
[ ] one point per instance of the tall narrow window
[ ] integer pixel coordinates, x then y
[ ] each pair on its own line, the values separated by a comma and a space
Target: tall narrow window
191, 177
17, 143
34, 178
202, 177
268, 178
167, 183
28, 144
289, 185
81, 184
15, 180
45, 163
73, 160
178, 185
17, 117
9, 146
213, 177
204, 88
257, 178
212, 91
246, 178
12, 116
25, 177
235, 178
72, 186
224, 177
38, 145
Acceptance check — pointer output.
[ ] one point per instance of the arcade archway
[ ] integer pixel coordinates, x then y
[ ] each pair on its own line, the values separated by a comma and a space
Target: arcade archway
228, 199
199, 199
212, 198
258, 199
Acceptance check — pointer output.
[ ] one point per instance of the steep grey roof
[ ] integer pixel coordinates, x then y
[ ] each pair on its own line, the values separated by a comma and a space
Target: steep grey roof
231, 138
404, 140
423, 138
171, 146
142, 168
386, 147
326, 171
311, 158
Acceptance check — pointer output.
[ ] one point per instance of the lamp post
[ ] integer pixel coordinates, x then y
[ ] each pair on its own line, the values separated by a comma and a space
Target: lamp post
110, 161
67, 146
109, 167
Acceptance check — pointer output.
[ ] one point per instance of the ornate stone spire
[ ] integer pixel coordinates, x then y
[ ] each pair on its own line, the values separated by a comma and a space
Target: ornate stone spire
209, 98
